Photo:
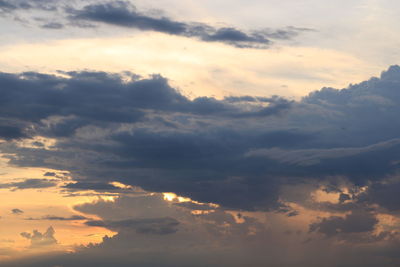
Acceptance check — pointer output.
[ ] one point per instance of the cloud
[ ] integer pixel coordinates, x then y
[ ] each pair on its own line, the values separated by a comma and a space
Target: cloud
87, 97
9, 132
39, 239
218, 239
17, 211
384, 194
30, 184
157, 226
53, 25
125, 14
358, 221
59, 218
237, 152
8, 6
91, 186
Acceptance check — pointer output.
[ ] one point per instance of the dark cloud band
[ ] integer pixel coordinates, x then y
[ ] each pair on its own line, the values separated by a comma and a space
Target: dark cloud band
236, 152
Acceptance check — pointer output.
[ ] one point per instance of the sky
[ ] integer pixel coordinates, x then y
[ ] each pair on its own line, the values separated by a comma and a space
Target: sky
199, 133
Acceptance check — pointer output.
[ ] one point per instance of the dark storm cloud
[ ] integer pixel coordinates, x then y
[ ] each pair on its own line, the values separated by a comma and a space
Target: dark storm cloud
89, 97
386, 195
124, 14
236, 152
360, 164
58, 106
9, 132
155, 226
29, 184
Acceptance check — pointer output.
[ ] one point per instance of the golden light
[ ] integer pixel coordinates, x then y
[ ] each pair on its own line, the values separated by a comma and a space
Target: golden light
121, 185
169, 196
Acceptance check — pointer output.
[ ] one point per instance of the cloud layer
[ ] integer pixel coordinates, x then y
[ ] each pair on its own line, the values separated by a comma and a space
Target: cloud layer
236, 151
241, 153
125, 15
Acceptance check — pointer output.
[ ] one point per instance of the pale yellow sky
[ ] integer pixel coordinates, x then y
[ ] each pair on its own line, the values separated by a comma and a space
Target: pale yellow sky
196, 68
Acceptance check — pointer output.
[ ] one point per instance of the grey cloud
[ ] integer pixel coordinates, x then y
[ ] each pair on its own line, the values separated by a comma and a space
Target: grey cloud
30, 184
6, 6
358, 221
235, 37
155, 226
384, 194
39, 239
91, 186
124, 14
194, 206
87, 97
285, 34
344, 197
9, 132
17, 211
53, 25
360, 164
59, 218
293, 213
309, 157
13, 5
215, 239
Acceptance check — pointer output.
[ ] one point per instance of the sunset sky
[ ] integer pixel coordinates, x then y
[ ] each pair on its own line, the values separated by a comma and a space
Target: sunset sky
258, 133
